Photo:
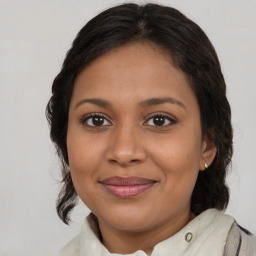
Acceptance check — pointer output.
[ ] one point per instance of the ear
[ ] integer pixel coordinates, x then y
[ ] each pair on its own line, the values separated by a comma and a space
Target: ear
208, 153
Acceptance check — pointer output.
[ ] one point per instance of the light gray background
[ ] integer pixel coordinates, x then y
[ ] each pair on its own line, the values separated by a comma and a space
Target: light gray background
35, 36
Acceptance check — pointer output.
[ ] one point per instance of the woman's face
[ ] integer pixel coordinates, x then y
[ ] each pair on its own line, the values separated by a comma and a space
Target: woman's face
134, 139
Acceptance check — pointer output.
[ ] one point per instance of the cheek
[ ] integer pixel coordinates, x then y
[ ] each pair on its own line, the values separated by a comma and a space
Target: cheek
83, 162
82, 151
179, 152
179, 159
84, 159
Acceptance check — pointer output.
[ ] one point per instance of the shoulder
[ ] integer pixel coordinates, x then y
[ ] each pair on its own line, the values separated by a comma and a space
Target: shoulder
72, 248
87, 242
240, 242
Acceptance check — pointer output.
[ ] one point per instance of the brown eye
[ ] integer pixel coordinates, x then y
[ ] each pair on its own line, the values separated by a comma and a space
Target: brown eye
160, 120
96, 120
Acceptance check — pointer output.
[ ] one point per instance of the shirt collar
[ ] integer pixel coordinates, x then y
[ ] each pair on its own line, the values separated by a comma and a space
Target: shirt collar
208, 231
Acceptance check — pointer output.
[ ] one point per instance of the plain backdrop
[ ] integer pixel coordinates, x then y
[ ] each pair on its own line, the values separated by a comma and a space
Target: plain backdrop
34, 38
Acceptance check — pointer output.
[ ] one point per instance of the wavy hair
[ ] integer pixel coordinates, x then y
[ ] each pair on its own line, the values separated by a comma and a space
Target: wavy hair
190, 50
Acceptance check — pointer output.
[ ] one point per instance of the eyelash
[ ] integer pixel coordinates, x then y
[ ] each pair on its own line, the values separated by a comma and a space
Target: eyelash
165, 116
90, 116
85, 119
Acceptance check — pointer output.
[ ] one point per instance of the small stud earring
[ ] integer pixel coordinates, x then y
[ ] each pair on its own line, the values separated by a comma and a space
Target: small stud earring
206, 165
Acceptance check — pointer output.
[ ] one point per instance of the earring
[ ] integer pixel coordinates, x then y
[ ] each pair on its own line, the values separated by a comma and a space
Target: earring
206, 165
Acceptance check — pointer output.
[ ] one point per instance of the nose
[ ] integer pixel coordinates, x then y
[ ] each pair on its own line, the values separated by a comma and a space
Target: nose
125, 147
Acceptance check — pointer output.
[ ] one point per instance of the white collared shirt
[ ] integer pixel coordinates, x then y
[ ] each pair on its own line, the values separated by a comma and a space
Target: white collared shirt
205, 234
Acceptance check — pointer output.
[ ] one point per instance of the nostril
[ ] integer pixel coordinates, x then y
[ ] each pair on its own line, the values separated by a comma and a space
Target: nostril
124, 153
113, 161
116, 161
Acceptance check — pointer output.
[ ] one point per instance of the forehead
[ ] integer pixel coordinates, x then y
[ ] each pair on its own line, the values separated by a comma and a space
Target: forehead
132, 72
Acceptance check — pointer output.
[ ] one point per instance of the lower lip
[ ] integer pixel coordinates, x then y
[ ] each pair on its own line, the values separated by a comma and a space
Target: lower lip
127, 191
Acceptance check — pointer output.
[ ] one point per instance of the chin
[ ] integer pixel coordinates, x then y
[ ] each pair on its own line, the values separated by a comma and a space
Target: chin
130, 225
128, 220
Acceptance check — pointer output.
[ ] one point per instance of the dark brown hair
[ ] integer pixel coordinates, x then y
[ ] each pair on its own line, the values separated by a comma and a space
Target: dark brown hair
190, 50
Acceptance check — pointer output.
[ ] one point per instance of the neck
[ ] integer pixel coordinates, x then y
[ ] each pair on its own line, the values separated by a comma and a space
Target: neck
127, 242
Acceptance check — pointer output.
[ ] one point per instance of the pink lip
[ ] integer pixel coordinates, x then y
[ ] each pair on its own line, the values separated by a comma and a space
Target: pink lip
127, 187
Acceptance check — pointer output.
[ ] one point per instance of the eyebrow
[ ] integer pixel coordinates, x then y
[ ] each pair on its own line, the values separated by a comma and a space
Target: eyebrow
98, 102
146, 103
158, 101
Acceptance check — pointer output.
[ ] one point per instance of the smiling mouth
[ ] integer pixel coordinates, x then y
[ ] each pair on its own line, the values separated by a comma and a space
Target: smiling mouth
127, 187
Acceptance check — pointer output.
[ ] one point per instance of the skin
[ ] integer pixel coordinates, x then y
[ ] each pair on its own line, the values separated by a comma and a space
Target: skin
129, 143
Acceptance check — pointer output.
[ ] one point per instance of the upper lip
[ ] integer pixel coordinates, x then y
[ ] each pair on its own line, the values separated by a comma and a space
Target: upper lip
126, 181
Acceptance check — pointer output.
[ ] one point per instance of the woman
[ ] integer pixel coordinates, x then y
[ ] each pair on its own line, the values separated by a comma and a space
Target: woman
141, 122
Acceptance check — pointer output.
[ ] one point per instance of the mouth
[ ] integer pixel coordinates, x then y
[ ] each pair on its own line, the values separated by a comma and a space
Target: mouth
127, 187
